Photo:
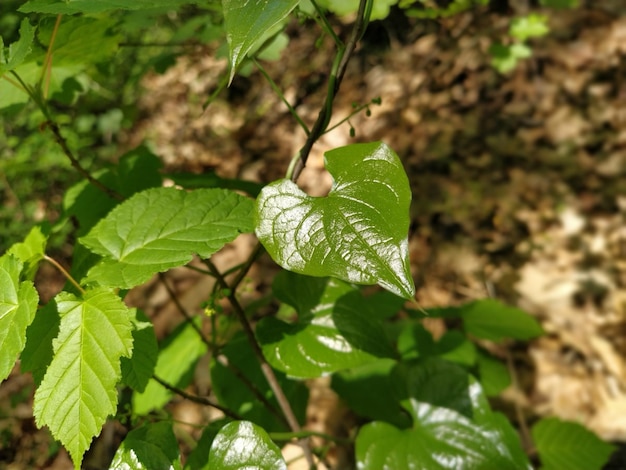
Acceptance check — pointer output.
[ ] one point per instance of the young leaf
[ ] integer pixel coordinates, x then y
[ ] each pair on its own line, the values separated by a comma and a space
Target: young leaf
176, 361
247, 23
357, 233
137, 370
149, 447
242, 444
234, 393
530, 26
78, 390
18, 304
334, 330
19, 49
563, 444
30, 252
161, 228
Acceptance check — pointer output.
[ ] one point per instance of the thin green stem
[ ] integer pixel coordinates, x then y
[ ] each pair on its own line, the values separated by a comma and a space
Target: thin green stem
356, 111
324, 23
65, 273
196, 398
280, 94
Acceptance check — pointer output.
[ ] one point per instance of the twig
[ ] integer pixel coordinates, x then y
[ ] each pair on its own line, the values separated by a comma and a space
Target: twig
197, 399
268, 372
340, 65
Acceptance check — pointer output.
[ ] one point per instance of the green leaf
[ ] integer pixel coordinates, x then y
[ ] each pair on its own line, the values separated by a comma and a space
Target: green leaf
415, 341
30, 252
530, 26
379, 402
210, 179
492, 320
152, 446
38, 353
162, 228
64, 7
19, 49
563, 444
493, 373
137, 370
231, 387
242, 444
380, 8
334, 330
247, 23
357, 233
505, 58
198, 458
18, 304
453, 426
78, 390
177, 358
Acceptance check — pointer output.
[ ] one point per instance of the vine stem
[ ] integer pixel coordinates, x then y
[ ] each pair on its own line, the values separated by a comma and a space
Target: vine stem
196, 399
266, 369
66, 274
338, 71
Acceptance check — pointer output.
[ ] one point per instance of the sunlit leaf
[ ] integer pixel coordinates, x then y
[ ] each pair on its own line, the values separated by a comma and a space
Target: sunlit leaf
247, 23
149, 447
18, 304
242, 444
78, 390
161, 228
357, 233
30, 252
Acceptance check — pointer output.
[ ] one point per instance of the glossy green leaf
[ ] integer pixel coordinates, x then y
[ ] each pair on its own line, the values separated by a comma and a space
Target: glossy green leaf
30, 252
491, 319
18, 50
138, 369
564, 444
78, 390
177, 359
18, 304
162, 228
231, 387
379, 402
334, 331
149, 447
64, 7
38, 353
453, 427
357, 233
242, 444
247, 23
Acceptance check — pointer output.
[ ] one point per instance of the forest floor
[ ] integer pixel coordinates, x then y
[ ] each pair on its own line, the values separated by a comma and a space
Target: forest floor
519, 180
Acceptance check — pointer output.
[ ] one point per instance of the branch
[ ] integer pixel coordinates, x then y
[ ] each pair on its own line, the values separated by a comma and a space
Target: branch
197, 399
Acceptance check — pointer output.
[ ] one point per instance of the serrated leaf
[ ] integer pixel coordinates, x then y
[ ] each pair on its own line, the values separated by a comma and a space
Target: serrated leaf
18, 304
453, 427
358, 233
152, 446
64, 7
177, 358
31, 251
19, 49
162, 228
138, 369
334, 331
38, 353
78, 390
242, 444
231, 387
564, 444
247, 23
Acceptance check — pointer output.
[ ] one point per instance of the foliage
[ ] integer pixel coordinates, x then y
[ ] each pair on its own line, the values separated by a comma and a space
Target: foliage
422, 400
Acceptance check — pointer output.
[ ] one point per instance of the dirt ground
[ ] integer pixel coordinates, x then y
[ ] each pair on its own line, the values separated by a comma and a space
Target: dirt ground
519, 180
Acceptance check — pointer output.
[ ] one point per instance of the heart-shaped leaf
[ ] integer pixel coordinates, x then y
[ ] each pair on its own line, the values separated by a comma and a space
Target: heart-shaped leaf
357, 233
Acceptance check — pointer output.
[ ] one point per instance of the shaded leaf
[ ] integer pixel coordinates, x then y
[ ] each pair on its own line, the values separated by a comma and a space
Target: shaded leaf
18, 304
177, 358
38, 353
198, 458
493, 373
242, 444
138, 369
358, 233
152, 446
64, 7
563, 444
162, 228
19, 49
78, 390
334, 330
247, 23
